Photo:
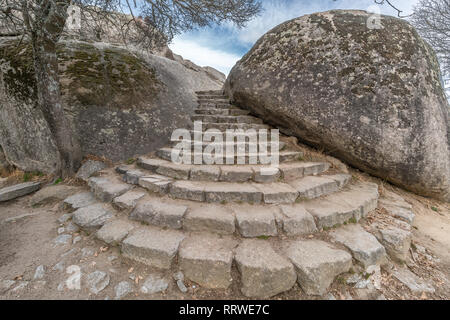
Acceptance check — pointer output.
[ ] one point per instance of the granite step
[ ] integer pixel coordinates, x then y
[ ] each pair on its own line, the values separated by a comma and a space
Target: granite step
276, 192
234, 126
234, 145
209, 92
221, 100
217, 106
224, 112
226, 119
284, 156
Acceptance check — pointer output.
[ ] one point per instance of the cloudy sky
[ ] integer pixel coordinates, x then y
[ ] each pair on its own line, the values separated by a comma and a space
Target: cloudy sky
221, 46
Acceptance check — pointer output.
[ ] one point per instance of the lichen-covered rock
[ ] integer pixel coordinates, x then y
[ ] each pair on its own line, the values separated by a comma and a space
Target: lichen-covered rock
121, 103
25, 136
372, 97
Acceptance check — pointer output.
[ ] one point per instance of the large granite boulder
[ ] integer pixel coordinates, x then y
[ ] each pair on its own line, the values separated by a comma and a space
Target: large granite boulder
372, 97
121, 103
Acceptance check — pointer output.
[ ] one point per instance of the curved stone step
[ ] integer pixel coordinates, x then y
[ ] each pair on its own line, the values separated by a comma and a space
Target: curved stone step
234, 126
106, 189
201, 100
284, 156
276, 192
212, 96
233, 145
218, 106
226, 119
264, 268
214, 92
224, 112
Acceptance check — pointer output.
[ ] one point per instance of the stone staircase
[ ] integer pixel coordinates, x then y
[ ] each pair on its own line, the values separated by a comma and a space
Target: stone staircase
207, 220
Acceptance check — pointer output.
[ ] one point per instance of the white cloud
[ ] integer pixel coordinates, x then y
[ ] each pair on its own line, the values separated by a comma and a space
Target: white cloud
203, 56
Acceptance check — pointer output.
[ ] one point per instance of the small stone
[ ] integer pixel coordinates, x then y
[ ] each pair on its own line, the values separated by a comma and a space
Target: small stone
71, 227
154, 284
112, 258
39, 273
59, 266
7, 284
362, 284
89, 168
21, 285
76, 239
60, 287
61, 230
122, 289
413, 282
178, 276
354, 278
114, 232
97, 281
86, 252
62, 239
18, 190
181, 286
65, 217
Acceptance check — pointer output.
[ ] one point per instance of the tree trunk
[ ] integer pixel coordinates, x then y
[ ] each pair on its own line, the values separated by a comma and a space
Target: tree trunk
49, 99
50, 21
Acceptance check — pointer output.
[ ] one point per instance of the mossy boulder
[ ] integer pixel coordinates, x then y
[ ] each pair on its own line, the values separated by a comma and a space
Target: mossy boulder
372, 97
121, 103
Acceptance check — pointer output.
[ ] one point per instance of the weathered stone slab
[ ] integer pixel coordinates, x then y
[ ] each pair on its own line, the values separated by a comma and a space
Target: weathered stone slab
210, 218
264, 273
92, 216
277, 192
52, 194
156, 183
205, 173
187, 190
364, 246
176, 171
314, 187
133, 176
128, 200
79, 200
413, 282
396, 241
107, 189
296, 220
330, 213
89, 168
159, 213
18, 190
206, 260
255, 221
231, 192
236, 173
114, 232
317, 264
154, 284
151, 246
266, 174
